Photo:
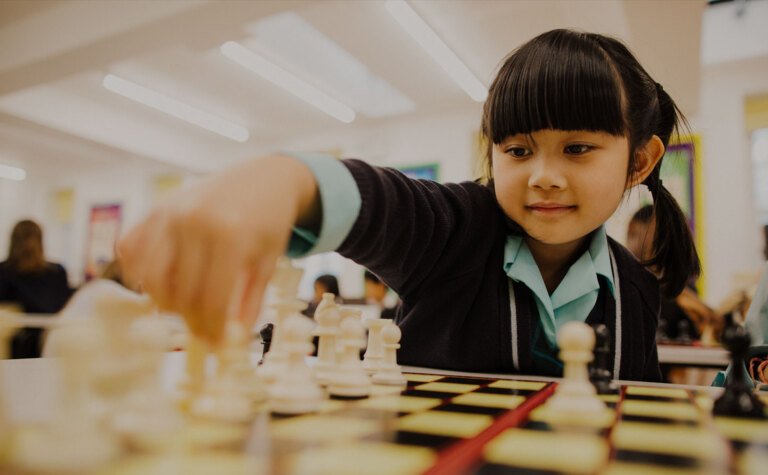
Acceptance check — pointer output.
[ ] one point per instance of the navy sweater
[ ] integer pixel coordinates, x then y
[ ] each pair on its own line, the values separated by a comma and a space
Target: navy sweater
441, 248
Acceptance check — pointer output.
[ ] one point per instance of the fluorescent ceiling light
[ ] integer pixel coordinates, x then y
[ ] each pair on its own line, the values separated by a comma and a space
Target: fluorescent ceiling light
296, 45
286, 80
434, 46
12, 173
177, 109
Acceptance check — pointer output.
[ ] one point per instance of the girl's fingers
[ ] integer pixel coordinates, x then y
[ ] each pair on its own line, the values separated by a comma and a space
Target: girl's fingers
254, 289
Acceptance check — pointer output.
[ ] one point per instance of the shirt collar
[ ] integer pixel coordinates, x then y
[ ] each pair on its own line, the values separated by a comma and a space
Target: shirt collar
580, 279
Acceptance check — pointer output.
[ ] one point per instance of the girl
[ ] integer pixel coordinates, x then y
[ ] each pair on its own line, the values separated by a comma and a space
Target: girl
487, 272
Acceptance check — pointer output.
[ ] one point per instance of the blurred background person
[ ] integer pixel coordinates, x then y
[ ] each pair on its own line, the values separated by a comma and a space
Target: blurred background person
377, 293
325, 283
31, 283
684, 313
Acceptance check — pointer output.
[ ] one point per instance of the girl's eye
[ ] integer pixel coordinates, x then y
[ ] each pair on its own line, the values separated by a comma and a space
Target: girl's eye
577, 149
517, 152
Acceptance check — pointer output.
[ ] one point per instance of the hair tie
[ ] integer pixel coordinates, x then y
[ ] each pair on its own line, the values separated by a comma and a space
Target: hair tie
654, 184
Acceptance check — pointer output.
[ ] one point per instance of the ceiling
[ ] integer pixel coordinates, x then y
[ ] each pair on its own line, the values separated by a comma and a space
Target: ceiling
53, 55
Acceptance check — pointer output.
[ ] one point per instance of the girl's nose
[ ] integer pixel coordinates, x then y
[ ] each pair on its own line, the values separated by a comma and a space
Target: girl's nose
546, 174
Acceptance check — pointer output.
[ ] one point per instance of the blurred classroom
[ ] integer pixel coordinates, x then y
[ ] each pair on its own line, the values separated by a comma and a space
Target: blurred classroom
106, 107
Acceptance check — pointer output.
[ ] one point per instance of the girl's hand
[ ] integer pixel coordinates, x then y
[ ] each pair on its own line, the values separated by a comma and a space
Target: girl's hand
208, 252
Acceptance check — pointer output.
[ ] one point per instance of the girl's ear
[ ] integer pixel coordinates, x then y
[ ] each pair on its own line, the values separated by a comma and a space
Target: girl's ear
646, 159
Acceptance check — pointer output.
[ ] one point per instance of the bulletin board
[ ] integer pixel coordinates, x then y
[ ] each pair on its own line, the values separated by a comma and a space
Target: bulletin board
428, 171
682, 176
103, 231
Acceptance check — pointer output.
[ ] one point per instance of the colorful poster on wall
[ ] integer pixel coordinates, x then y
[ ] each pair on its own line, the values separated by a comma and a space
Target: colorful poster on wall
429, 171
681, 173
103, 231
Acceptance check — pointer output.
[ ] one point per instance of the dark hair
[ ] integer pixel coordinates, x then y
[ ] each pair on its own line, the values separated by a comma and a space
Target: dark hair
25, 253
569, 80
329, 282
643, 215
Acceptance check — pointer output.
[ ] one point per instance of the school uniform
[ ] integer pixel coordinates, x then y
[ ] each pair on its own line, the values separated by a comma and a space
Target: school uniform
470, 296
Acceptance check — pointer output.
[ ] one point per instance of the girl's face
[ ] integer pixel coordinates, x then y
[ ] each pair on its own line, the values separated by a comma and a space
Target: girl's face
560, 185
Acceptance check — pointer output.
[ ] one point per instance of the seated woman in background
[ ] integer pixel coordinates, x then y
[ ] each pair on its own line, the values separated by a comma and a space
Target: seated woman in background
377, 293
30, 282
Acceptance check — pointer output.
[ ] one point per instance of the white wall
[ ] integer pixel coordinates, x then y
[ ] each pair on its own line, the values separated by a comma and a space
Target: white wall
447, 139
733, 236
65, 242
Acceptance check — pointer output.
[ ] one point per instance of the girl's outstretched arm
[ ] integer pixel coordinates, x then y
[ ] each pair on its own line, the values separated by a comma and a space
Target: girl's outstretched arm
209, 251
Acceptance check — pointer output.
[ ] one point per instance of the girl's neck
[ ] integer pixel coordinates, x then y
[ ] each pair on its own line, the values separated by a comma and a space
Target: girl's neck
554, 260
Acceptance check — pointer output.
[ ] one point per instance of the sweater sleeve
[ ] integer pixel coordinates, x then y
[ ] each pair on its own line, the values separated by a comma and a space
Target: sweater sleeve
410, 231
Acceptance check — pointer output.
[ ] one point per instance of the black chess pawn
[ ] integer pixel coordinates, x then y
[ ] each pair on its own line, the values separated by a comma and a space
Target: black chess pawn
661, 332
684, 332
737, 399
266, 339
599, 374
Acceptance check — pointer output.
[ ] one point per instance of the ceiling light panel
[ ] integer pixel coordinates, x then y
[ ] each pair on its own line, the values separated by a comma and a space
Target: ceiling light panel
12, 173
437, 49
286, 80
175, 108
293, 43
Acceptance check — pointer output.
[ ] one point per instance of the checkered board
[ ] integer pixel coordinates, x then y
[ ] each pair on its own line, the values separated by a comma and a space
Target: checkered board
482, 426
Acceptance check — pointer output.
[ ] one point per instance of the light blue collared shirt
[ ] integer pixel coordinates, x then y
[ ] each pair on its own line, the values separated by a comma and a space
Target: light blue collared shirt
576, 294
340, 201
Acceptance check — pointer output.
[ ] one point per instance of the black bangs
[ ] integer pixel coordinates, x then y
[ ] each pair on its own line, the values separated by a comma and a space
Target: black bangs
559, 80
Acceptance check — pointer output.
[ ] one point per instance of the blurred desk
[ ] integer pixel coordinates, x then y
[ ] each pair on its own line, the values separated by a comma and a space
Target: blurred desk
699, 356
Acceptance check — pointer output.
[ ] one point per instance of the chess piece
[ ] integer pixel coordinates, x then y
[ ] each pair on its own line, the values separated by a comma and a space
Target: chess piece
575, 397
146, 416
285, 281
194, 369
295, 390
389, 371
57, 446
230, 394
234, 360
350, 379
327, 318
684, 332
599, 374
266, 339
708, 334
737, 399
374, 353
661, 332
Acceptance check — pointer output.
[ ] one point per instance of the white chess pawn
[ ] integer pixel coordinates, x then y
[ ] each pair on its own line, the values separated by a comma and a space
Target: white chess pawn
234, 360
389, 372
230, 394
146, 415
575, 396
350, 379
374, 353
355, 314
295, 390
327, 317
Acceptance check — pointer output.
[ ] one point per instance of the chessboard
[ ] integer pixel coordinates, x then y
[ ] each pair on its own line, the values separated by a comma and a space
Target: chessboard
467, 424
114, 408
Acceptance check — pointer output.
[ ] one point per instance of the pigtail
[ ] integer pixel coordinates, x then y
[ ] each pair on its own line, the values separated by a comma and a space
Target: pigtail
674, 257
